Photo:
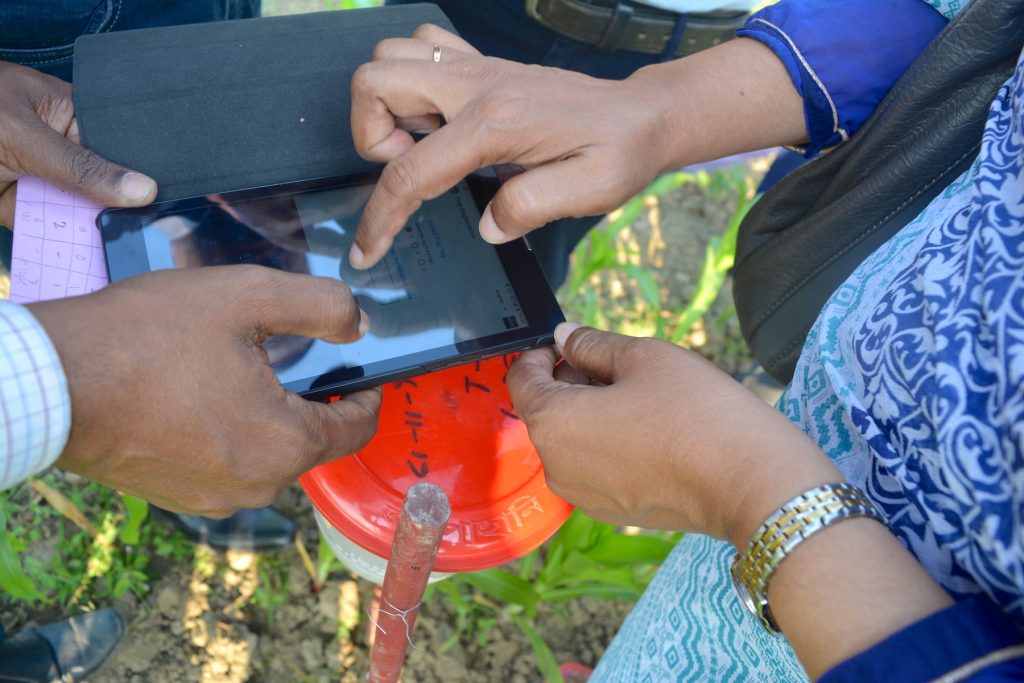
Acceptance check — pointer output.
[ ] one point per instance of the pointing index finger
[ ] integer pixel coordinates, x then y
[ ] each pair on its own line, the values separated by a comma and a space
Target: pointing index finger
429, 168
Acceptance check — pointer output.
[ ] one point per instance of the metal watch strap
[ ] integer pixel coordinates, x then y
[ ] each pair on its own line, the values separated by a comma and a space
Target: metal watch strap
624, 25
784, 530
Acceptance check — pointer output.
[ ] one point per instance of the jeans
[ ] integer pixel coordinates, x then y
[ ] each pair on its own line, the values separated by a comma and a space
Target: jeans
41, 33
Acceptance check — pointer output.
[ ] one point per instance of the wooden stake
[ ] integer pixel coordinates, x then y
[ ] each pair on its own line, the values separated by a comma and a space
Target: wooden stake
413, 551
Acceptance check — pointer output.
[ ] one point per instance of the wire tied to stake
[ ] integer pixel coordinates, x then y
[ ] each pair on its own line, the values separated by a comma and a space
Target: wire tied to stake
398, 613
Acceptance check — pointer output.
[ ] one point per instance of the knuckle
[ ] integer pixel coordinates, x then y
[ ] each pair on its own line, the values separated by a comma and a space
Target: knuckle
252, 285
357, 432
530, 401
369, 428
82, 167
637, 346
630, 506
312, 435
425, 31
638, 349
339, 307
583, 344
399, 178
249, 277
380, 51
363, 77
502, 109
519, 205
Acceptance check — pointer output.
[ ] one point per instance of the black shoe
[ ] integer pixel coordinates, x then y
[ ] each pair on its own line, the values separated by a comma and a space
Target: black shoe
65, 652
259, 529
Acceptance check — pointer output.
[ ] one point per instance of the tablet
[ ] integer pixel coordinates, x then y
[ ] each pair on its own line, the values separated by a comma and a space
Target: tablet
440, 297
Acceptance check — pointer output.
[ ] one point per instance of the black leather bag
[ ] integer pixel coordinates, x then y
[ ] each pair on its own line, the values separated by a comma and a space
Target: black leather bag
806, 235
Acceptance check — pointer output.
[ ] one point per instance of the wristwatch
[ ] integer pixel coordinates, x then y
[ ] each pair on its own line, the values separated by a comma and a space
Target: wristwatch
783, 531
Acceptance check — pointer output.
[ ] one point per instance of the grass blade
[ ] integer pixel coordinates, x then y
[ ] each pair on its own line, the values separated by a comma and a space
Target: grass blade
546, 662
621, 550
505, 586
63, 505
138, 510
13, 579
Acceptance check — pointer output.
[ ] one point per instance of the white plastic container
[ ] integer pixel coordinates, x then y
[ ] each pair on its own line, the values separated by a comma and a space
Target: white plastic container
357, 559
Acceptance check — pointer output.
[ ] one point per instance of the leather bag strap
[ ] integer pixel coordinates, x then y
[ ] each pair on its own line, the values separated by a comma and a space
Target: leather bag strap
806, 235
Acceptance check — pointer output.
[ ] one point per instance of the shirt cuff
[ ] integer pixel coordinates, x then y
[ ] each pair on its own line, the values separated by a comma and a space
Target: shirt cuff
843, 55
35, 407
972, 639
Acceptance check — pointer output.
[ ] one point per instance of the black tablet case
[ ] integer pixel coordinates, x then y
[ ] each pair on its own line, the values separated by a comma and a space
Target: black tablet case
231, 105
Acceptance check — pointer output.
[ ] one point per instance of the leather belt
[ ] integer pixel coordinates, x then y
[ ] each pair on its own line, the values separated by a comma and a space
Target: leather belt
623, 25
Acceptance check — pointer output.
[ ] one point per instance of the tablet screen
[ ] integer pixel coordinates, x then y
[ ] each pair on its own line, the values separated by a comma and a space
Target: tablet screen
440, 290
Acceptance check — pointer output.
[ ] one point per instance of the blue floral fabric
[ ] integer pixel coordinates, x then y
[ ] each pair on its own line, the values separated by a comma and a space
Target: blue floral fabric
913, 376
912, 380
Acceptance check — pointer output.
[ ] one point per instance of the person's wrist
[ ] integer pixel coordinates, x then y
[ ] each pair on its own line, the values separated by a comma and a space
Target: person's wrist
777, 462
85, 448
652, 95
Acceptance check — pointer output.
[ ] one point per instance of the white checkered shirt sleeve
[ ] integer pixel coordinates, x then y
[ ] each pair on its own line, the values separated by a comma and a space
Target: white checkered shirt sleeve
35, 407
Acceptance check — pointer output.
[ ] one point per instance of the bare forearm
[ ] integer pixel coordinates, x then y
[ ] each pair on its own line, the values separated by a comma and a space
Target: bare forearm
735, 97
848, 588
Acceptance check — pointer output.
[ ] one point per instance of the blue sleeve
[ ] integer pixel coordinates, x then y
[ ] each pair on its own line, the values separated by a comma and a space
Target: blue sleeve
843, 55
972, 638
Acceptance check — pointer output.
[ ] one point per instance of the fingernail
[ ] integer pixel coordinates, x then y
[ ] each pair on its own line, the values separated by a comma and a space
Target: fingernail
136, 187
563, 332
356, 256
364, 323
489, 230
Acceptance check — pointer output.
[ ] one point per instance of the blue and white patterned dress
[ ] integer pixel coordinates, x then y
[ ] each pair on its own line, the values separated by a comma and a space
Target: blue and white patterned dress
912, 380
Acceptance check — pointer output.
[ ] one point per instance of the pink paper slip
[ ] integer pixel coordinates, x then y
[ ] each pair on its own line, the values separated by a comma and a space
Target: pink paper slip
57, 249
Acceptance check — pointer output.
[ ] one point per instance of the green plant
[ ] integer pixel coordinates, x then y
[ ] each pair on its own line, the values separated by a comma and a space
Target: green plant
52, 554
13, 578
585, 558
718, 261
271, 589
605, 252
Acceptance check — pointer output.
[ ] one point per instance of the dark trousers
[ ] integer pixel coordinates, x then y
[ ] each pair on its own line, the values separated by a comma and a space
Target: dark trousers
41, 33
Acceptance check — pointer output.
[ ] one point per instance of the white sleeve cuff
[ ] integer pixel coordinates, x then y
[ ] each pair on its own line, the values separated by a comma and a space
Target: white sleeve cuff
35, 406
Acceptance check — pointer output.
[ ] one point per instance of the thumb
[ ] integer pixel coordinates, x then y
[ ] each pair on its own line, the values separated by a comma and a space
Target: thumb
69, 166
274, 302
531, 382
605, 356
344, 426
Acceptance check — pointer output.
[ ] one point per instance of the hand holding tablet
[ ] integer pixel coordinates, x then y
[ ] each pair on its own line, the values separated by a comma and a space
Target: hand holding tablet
440, 295
173, 399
